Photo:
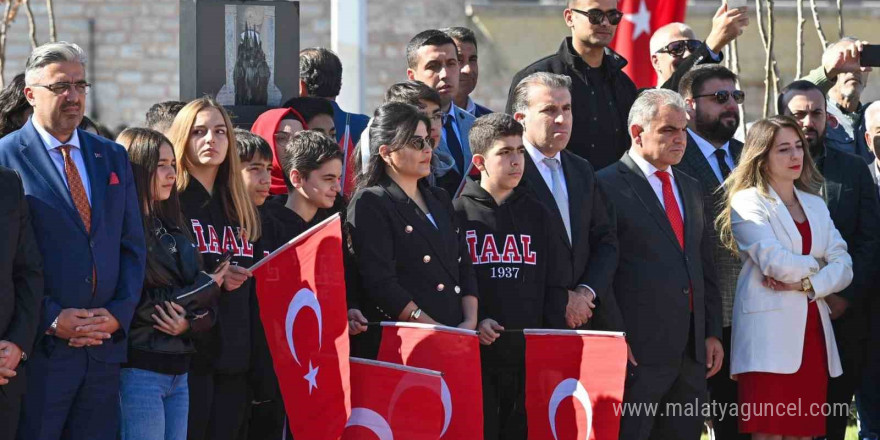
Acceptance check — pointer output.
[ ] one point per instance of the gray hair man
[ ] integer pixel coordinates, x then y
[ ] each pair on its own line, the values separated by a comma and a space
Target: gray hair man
87, 222
675, 48
665, 282
567, 185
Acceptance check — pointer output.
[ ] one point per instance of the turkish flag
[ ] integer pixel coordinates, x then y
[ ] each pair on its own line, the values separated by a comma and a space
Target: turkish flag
301, 290
393, 401
633, 35
455, 353
348, 149
574, 384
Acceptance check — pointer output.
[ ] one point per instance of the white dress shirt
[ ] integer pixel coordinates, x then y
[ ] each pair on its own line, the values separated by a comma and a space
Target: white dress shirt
52, 145
708, 151
650, 171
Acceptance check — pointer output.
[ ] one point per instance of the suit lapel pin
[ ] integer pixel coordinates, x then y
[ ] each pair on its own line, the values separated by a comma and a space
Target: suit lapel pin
408, 229
98, 156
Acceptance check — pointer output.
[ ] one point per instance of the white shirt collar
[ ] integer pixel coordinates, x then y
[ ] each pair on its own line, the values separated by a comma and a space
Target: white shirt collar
707, 148
536, 154
647, 169
50, 142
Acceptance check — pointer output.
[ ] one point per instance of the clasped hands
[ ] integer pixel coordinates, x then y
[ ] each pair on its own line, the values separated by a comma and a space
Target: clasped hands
86, 327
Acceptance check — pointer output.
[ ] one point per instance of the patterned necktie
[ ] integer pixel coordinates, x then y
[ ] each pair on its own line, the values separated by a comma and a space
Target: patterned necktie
674, 216
720, 155
77, 190
558, 195
453, 144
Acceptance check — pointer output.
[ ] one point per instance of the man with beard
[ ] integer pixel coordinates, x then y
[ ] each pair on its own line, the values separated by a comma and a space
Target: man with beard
601, 93
675, 49
844, 79
712, 103
855, 209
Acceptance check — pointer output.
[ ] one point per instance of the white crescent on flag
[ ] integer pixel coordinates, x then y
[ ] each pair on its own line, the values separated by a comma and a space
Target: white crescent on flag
371, 420
305, 298
445, 398
570, 388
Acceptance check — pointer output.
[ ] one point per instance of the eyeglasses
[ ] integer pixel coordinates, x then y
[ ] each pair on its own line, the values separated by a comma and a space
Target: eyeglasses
419, 143
167, 240
596, 15
722, 96
61, 88
677, 48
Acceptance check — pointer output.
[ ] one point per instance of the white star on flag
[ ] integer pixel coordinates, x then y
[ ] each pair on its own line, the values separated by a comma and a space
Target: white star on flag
312, 377
641, 21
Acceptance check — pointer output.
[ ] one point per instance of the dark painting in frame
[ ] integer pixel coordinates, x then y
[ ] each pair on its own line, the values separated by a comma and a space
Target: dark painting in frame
245, 54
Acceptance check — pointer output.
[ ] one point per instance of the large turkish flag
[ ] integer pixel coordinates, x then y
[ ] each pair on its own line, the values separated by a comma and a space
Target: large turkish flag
393, 401
455, 353
633, 34
301, 290
574, 384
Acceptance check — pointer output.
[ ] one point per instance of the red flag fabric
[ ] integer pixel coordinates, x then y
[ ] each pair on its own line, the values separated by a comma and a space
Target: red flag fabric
574, 380
393, 401
301, 291
347, 147
455, 353
633, 35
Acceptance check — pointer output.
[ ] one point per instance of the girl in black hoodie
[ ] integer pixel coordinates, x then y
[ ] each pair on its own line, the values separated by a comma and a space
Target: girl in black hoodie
223, 218
514, 255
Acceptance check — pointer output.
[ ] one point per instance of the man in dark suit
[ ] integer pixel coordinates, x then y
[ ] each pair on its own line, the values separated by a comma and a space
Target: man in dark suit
21, 290
711, 96
567, 185
87, 221
855, 209
665, 282
675, 49
868, 393
466, 41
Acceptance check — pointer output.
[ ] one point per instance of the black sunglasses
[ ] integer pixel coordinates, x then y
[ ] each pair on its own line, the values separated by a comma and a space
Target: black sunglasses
419, 143
596, 15
722, 96
677, 48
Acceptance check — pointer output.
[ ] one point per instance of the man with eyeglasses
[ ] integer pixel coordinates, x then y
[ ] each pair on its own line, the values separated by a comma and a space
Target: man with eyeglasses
849, 190
711, 153
675, 49
88, 226
601, 92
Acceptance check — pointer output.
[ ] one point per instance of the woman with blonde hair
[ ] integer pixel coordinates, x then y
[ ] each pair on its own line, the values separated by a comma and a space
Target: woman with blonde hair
783, 346
225, 224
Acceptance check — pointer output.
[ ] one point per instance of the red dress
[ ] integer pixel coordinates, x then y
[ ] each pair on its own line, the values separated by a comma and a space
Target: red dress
766, 393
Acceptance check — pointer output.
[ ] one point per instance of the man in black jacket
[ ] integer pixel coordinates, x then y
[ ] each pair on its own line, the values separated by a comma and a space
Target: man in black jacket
855, 209
601, 93
21, 292
675, 49
567, 186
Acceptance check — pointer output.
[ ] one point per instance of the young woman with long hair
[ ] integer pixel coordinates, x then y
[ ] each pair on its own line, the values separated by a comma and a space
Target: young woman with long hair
783, 344
224, 220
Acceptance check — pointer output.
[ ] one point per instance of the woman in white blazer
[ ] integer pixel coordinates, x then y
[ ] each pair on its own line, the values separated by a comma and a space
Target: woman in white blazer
783, 347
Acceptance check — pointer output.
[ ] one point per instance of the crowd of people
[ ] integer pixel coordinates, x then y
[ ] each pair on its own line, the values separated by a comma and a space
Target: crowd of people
740, 272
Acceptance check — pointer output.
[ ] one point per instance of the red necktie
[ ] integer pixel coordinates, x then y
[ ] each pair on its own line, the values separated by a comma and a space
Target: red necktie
77, 189
674, 216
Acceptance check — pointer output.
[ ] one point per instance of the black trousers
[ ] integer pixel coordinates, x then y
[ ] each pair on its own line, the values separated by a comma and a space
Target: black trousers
218, 406
10, 410
504, 403
842, 388
722, 390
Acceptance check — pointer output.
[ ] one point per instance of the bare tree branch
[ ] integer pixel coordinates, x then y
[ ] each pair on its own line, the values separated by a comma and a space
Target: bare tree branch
818, 24
4, 28
32, 26
799, 67
771, 21
53, 36
840, 32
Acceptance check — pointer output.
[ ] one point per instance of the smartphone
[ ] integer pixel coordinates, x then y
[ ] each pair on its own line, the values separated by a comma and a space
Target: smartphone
870, 56
224, 258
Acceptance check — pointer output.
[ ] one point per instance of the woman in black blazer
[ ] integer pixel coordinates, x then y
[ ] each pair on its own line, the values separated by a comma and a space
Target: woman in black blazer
413, 262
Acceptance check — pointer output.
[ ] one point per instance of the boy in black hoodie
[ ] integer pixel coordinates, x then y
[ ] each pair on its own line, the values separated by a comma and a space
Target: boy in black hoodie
514, 255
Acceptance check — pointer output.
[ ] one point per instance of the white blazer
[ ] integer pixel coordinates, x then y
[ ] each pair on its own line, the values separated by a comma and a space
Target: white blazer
768, 325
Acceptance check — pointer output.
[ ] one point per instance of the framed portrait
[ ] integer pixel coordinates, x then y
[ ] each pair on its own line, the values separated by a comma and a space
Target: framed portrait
245, 54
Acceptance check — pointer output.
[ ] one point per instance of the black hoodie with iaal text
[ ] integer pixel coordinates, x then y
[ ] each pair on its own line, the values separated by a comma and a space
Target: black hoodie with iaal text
514, 254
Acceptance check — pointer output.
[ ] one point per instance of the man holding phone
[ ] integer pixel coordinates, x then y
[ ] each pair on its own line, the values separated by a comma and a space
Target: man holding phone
843, 76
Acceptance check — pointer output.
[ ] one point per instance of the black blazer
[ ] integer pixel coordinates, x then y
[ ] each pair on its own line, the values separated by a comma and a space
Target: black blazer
853, 203
654, 276
591, 256
21, 273
402, 257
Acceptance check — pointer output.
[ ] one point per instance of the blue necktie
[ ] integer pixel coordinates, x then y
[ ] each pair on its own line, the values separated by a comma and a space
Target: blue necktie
453, 144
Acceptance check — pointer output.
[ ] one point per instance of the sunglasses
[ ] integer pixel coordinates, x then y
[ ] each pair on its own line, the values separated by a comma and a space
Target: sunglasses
419, 143
596, 15
677, 48
722, 96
